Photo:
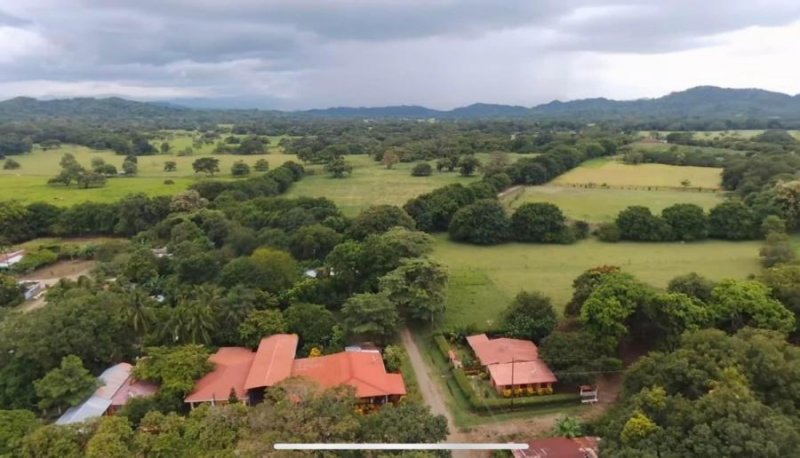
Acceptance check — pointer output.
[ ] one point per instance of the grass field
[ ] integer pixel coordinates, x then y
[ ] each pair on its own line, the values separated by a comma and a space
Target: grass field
484, 279
603, 205
372, 184
29, 183
613, 173
647, 146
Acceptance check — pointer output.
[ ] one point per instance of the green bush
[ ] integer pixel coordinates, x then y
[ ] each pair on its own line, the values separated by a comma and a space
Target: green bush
34, 260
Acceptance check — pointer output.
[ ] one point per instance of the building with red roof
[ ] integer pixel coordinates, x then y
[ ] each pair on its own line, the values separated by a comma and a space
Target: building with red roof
561, 447
512, 363
245, 374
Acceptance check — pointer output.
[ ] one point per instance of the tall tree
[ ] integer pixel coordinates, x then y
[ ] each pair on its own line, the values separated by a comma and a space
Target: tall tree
65, 386
417, 287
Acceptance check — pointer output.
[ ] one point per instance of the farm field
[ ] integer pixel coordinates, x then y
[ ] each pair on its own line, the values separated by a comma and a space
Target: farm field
29, 183
484, 279
372, 184
613, 173
602, 205
649, 146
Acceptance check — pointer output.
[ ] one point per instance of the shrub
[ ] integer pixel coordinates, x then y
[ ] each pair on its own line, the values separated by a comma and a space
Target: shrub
34, 260
423, 169
11, 164
608, 232
169, 182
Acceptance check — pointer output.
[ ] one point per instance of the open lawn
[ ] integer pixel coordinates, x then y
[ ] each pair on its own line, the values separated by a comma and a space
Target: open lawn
616, 174
29, 182
483, 279
372, 184
602, 205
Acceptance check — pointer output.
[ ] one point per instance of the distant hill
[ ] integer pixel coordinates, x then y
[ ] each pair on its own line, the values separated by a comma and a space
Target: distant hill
21, 108
706, 102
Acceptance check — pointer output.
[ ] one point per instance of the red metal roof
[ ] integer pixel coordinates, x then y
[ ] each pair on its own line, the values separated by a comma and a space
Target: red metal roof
522, 373
273, 361
232, 364
362, 370
502, 350
561, 447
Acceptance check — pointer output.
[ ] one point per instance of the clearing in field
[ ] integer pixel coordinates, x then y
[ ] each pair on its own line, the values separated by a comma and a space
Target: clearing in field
372, 184
647, 176
599, 205
704, 135
29, 182
484, 279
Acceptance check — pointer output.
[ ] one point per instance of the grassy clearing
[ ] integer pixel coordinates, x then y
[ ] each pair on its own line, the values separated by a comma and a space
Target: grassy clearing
29, 183
603, 205
372, 184
648, 146
617, 174
484, 278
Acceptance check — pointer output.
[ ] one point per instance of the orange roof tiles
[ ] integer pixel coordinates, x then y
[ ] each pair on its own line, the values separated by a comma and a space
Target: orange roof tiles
362, 370
241, 369
273, 361
502, 350
232, 364
521, 373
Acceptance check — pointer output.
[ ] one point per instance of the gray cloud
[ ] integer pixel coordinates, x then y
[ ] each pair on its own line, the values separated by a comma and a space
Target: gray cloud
311, 52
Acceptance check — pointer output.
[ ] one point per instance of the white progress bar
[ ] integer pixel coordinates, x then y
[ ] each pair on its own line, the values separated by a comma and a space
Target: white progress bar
439, 446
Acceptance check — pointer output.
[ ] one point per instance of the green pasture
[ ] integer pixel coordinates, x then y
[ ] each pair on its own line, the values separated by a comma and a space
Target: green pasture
371, 183
603, 204
29, 182
484, 279
744, 133
649, 146
614, 173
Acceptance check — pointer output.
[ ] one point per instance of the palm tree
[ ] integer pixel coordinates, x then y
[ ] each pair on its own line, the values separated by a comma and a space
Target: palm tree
568, 427
193, 319
139, 310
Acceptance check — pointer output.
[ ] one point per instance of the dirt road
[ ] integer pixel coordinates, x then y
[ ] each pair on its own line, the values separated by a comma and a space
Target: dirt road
52, 274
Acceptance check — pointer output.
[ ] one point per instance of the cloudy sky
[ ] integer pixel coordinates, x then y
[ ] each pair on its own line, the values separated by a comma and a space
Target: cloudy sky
292, 54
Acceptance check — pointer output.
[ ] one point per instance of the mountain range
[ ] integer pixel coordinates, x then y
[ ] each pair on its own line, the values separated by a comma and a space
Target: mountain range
699, 102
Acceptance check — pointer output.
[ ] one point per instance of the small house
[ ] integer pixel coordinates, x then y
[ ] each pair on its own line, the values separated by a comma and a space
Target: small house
512, 364
117, 387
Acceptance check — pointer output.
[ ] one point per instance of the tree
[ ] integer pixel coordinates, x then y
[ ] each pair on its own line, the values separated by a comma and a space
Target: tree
175, 369
314, 242
378, 219
607, 311
261, 165
10, 291
391, 157
14, 426
240, 169
693, 285
112, 439
207, 165
54, 441
278, 268
165, 147
394, 355
736, 304
170, 166
671, 314
370, 316
540, 222
483, 223
732, 221
575, 357
403, 423
11, 164
338, 167
777, 250
531, 316
129, 168
260, 324
784, 283
142, 267
467, 165
688, 222
417, 287
65, 386
422, 169
187, 201
787, 198
638, 224
312, 322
